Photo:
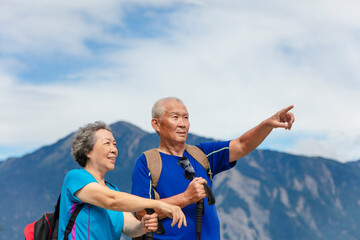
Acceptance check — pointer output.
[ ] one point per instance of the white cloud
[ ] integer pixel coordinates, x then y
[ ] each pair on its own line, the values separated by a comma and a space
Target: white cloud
335, 146
42, 27
233, 63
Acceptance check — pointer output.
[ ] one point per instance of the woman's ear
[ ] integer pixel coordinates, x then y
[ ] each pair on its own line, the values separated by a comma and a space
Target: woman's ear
88, 155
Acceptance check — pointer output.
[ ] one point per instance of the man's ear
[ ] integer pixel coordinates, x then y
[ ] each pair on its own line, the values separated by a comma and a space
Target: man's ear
155, 123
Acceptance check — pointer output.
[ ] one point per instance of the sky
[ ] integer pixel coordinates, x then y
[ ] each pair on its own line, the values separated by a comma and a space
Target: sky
234, 63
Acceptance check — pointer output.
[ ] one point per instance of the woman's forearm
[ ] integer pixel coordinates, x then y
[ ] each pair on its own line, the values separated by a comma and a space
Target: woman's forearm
132, 227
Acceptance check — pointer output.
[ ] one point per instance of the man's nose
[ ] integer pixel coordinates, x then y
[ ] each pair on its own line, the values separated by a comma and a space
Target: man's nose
181, 122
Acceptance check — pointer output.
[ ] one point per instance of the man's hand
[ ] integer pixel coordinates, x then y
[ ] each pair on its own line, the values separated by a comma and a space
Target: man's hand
251, 139
282, 119
149, 223
195, 191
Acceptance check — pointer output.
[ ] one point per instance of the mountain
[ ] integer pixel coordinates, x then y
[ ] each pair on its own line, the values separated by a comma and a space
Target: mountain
268, 195
30, 185
274, 195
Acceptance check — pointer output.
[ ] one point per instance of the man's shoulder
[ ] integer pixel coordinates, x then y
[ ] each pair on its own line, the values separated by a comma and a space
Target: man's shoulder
140, 164
141, 157
208, 147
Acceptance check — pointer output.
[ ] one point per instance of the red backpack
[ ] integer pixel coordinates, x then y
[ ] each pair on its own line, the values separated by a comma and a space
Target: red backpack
46, 228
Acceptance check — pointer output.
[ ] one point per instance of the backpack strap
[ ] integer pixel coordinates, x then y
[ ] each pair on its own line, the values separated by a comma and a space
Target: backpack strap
73, 216
154, 163
113, 186
56, 214
72, 220
199, 156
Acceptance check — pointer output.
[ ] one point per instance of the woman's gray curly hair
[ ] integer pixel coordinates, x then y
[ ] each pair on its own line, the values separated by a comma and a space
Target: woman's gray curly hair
84, 140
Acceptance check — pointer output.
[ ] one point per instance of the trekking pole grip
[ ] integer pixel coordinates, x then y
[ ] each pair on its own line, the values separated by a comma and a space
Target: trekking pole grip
160, 230
209, 193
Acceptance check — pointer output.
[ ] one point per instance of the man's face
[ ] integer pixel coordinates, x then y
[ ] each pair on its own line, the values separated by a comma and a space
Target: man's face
174, 124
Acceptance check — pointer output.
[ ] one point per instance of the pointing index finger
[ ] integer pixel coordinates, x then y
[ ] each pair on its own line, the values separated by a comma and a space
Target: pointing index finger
288, 108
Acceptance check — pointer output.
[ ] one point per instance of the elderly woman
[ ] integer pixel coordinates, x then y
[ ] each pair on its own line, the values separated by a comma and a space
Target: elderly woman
107, 211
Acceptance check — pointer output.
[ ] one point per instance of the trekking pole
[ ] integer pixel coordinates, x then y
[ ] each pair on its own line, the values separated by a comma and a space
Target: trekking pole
190, 175
160, 230
199, 215
200, 209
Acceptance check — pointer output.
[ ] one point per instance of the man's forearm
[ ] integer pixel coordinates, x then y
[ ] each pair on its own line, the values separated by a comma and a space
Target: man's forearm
250, 140
255, 136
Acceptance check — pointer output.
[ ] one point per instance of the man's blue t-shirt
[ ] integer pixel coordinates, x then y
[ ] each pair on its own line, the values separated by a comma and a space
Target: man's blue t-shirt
172, 182
93, 222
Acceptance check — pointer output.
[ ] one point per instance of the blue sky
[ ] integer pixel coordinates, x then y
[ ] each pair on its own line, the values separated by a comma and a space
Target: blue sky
234, 63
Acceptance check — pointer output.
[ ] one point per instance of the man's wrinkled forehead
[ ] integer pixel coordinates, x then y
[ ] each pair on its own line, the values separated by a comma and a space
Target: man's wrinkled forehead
175, 107
177, 113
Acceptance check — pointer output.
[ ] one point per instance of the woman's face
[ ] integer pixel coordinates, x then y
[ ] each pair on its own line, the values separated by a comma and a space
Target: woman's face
104, 152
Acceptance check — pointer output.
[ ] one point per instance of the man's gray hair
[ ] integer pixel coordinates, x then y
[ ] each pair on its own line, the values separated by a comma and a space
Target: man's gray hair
158, 110
84, 140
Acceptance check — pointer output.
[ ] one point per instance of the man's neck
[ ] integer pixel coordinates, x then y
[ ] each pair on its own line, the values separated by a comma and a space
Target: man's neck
172, 149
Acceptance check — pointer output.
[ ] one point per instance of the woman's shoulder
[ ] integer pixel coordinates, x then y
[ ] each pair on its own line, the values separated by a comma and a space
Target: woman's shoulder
76, 173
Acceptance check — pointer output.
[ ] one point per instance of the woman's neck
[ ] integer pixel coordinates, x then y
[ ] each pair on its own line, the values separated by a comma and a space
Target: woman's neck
100, 178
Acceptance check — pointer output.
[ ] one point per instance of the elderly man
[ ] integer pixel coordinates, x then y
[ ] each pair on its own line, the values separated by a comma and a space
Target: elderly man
170, 120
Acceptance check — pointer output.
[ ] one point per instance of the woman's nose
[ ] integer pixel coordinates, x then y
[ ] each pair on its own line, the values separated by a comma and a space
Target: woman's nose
114, 149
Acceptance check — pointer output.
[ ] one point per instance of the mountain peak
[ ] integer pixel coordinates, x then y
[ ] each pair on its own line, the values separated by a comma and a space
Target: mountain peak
268, 195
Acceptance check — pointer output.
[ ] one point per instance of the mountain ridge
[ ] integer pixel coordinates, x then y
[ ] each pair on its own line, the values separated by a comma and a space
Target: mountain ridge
267, 195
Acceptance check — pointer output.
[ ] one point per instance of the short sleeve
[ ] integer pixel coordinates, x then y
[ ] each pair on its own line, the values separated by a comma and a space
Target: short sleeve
218, 155
141, 179
75, 180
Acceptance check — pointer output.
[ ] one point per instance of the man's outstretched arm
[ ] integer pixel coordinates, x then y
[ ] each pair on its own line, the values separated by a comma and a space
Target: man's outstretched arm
251, 139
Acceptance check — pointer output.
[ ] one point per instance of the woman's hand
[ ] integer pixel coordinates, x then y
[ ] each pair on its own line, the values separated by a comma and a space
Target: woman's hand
173, 212
149, 223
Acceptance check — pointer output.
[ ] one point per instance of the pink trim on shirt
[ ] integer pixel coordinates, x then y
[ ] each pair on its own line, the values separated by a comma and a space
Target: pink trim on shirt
73, 230
89, 223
